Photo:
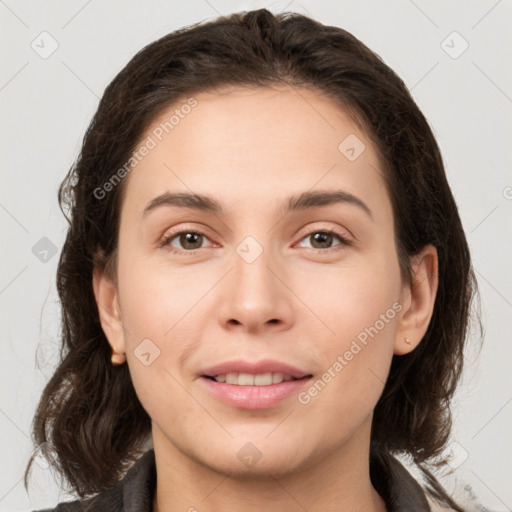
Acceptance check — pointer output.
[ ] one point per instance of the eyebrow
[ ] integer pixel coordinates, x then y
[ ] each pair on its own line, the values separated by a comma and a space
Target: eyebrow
302, 201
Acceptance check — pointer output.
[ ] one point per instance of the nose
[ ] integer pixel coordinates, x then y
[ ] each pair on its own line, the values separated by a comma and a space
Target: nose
256, 299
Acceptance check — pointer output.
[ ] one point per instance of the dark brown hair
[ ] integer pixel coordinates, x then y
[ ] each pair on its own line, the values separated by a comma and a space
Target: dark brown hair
89, 413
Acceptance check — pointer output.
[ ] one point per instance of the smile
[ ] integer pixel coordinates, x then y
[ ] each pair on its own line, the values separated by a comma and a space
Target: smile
247, 393
247, 379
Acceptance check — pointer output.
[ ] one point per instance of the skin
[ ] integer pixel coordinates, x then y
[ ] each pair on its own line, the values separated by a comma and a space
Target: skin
252, 148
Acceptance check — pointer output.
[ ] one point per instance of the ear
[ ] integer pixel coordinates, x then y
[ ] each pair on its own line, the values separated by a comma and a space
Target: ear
105, 292
417, 301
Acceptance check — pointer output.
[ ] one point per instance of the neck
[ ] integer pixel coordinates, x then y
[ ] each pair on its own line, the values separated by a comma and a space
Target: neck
339, 480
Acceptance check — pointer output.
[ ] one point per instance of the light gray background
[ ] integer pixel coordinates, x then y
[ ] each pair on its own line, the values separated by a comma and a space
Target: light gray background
47, 103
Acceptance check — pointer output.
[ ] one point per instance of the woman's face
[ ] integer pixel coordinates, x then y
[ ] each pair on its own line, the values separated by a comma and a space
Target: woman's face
289, 267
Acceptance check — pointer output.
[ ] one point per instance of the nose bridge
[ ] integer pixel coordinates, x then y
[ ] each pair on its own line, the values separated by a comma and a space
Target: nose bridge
255, 297
253, 284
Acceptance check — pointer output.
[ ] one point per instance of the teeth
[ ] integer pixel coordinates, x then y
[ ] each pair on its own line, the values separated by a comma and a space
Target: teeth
277, 378
246, 379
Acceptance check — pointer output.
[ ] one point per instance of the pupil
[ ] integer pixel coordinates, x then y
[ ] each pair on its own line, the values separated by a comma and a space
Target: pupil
324, 239
188, 239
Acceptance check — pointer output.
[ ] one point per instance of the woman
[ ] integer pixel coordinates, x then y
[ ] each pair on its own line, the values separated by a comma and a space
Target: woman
265, 281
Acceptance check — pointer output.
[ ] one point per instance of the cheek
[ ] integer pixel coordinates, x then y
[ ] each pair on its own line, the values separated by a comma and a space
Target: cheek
359, 310
347, 300
160, 308
155, 298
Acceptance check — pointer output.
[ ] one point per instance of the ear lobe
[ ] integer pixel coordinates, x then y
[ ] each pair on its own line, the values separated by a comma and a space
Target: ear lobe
105, 293
418, 299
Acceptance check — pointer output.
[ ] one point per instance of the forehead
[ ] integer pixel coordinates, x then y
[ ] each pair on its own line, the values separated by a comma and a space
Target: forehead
249, 143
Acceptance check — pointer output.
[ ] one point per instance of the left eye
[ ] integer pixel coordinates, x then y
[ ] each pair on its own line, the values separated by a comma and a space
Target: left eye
325, 239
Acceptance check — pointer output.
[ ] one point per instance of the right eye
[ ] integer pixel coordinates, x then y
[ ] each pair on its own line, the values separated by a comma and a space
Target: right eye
183, 241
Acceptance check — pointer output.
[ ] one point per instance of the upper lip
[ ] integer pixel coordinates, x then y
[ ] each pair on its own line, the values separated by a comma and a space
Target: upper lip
256, 368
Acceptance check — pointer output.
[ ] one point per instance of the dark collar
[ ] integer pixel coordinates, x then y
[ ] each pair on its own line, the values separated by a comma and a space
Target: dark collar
140, 485
135, 492
399, 490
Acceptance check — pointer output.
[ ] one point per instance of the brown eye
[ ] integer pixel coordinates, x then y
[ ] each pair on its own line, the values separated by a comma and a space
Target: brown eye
324, 240
185, 241
191, 240
321, 240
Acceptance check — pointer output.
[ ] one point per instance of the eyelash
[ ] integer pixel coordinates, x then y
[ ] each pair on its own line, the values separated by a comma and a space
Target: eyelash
164, 243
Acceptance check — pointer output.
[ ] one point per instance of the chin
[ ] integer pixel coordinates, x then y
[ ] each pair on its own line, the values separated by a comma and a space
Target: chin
268, 467
251, 457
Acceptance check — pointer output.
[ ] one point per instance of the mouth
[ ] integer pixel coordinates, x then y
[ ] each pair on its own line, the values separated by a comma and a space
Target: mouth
247, 379
253, 385
247, 385
262, 373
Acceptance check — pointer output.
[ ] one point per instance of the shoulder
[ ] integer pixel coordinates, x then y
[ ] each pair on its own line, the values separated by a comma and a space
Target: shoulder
135, 491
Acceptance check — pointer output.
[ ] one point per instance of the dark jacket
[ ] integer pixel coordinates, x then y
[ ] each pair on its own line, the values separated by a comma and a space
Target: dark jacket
134, 493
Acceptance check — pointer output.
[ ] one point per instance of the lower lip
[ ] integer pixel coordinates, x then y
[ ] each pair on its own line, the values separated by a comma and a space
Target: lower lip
254, 397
